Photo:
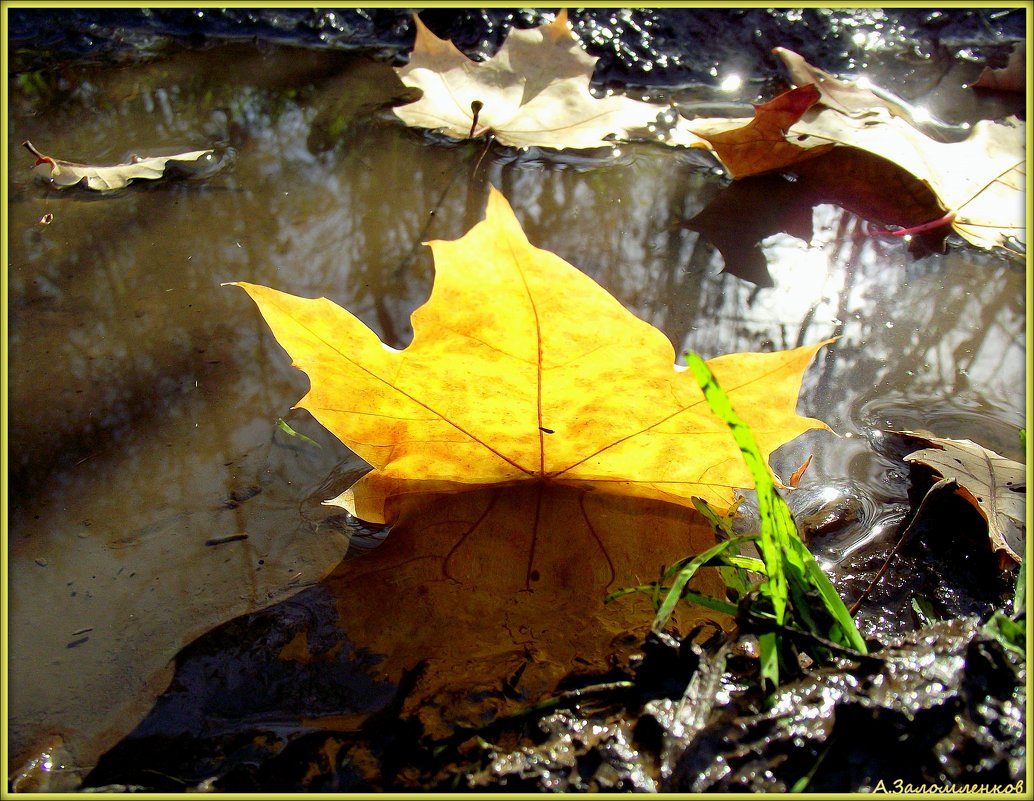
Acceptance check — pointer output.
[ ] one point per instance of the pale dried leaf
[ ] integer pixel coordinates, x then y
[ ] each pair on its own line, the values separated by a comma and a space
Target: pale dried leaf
982, 178
996, 486
854, 98
533, 93
63, 174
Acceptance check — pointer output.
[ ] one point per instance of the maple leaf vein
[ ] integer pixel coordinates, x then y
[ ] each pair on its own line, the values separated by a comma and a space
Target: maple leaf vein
331, 346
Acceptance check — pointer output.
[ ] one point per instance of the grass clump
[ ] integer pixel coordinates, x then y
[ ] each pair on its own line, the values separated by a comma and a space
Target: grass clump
795, 608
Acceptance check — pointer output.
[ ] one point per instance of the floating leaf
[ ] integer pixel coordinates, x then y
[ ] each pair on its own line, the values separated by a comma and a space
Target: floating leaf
996, 486
533, 93
750, 147
853, 98
981, 179
64, 174
1010, 78
534, 446
524, 369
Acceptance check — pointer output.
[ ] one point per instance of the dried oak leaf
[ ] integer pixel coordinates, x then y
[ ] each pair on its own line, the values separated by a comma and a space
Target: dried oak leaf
994, 485
533, 93
64, 174
522, 368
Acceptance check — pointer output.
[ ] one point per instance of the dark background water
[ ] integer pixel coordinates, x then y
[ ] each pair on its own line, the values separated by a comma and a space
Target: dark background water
657, 47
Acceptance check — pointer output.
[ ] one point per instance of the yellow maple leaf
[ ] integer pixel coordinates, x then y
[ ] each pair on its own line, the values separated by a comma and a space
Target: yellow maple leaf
523, 369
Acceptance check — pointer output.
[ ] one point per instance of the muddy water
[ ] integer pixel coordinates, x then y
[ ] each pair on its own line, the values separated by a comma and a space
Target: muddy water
144, 395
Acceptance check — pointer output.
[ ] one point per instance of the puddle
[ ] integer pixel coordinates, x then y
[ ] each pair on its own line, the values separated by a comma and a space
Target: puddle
144, 396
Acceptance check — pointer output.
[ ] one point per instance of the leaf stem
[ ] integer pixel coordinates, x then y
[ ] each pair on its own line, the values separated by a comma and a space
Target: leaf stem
40, 158
947, 219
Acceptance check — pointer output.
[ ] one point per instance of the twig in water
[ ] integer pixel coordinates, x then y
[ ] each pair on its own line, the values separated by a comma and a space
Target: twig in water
948, 484
484, 151
223, 540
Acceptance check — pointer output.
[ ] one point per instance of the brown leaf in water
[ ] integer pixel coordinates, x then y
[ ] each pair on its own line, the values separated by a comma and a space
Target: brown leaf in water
761, 144
795, 477
1010, 78
980, 179
783, 202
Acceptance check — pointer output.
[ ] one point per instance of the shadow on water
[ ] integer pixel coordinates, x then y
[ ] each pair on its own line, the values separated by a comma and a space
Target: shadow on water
143, 444
467, 630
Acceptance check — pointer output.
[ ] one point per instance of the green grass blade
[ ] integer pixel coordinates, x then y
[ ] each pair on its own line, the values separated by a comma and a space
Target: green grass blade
283, 426
685, 576
746, 562
707, 601
768, 650
785, 555
835, 606
772, 522
718, 522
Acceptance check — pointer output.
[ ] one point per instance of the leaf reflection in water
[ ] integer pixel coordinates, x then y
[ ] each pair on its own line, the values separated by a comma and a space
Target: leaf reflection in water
477, 605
